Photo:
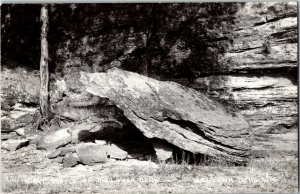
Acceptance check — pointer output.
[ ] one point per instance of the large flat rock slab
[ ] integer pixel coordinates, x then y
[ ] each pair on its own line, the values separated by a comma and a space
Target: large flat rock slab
169, 111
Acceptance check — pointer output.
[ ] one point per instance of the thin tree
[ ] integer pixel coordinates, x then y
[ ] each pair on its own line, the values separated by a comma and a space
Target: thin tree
44, 70
152, 37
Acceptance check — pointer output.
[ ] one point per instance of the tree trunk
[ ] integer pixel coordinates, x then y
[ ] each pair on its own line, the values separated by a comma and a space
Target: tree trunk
44, 70
152, 39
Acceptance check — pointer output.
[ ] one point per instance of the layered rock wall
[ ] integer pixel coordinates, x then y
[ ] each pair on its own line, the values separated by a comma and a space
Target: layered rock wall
260, 67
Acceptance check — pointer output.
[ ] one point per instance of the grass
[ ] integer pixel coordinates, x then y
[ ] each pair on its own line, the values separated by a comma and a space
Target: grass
276, 172
261, 175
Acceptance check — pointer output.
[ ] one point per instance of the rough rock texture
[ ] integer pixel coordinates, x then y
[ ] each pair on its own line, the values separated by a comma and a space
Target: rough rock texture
253, 40
90, 153
264, 36
262, 59
54, 140
266, 102
19, 85
20, 116
245, 40
13, 145
70, 160
169, 111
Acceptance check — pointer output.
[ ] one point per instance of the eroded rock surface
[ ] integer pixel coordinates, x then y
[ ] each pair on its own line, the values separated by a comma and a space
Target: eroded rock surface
266, 102
182, 116
54, 140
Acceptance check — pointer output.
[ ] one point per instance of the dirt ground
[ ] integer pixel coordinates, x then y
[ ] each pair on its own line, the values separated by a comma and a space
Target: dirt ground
29, 171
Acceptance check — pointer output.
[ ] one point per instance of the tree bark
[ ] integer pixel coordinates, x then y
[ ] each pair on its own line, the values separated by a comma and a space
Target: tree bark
44, 69
152, 39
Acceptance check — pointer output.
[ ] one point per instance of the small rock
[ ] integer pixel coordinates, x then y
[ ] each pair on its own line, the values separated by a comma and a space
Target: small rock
54, 140
26, 118
91, 153
100, 142
70, 160
163, 151
21, 132
55, 153
13, 145
115, 152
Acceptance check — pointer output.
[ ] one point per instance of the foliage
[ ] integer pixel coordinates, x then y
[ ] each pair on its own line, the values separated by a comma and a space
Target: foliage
174, 38
20, 33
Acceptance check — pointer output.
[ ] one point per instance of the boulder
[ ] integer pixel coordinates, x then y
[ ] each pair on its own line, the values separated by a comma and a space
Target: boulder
21, 132
54, 140
91, 153
180, 115
163, 151
113, 151
13, 145
70, 160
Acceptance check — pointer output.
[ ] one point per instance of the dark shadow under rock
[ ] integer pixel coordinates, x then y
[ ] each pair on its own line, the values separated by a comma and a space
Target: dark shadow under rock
128, 138
86, 136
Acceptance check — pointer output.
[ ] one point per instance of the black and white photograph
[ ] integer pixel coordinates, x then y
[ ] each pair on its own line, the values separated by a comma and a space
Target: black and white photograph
149, 97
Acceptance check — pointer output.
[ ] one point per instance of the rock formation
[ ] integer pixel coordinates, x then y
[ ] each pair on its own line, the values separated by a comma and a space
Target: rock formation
247, 56
182, 116
251, 40
268, 103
